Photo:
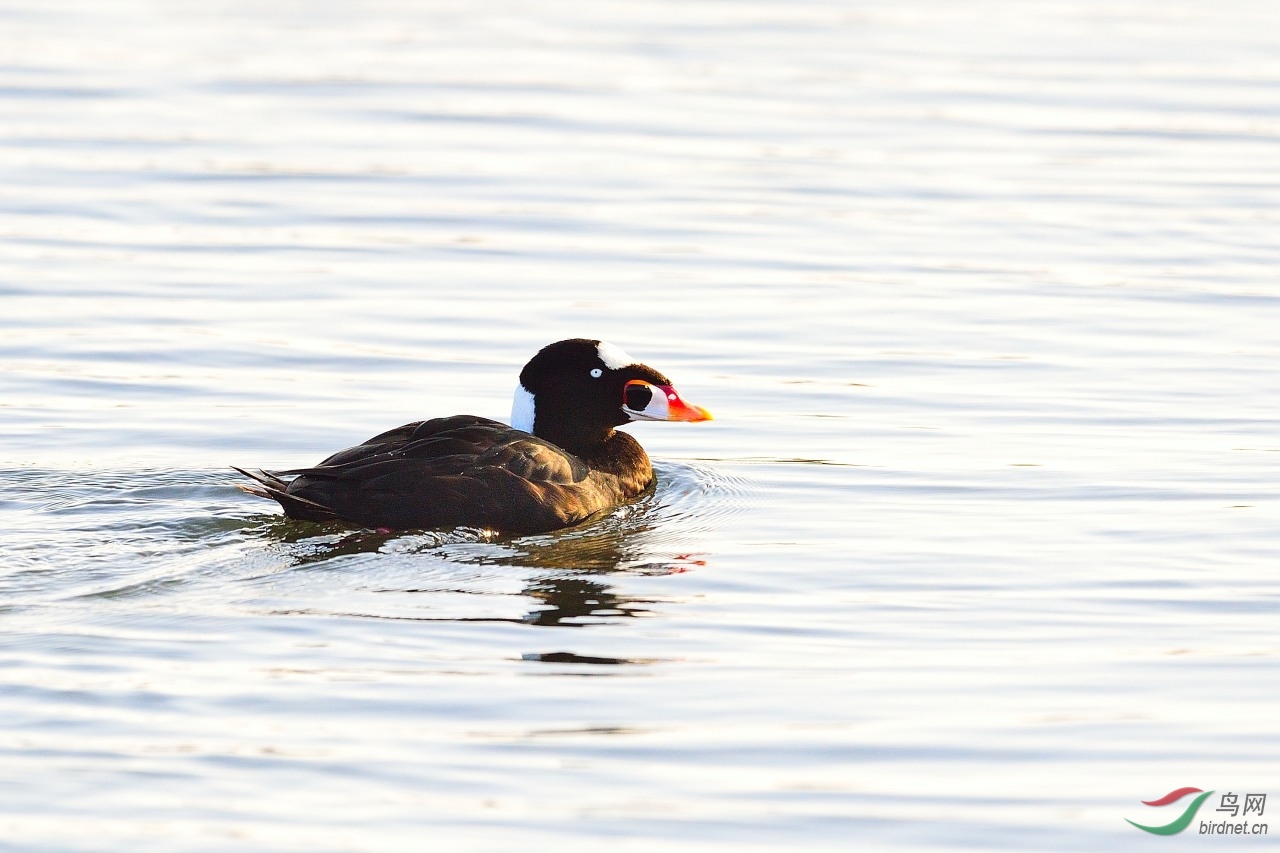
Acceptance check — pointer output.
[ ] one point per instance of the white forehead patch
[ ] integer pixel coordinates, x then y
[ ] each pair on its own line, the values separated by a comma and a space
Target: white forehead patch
613, 357
522, 409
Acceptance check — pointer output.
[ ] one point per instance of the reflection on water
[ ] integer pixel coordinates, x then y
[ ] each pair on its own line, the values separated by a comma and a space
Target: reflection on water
569, 583
570, 657
577, 602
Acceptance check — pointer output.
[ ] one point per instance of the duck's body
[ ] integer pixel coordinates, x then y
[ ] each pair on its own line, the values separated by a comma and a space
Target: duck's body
460, 471
559, 462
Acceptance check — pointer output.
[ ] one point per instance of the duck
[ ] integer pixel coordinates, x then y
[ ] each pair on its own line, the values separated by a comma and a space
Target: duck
559, 462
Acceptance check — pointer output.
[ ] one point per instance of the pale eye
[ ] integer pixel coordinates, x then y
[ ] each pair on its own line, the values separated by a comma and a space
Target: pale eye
596, 373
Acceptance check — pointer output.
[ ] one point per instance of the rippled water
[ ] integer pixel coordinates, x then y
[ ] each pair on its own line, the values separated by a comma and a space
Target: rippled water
979, 553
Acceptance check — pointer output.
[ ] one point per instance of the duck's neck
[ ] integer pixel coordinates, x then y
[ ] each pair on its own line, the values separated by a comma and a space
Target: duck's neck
593, 445
602, 448
607, 451
623, 457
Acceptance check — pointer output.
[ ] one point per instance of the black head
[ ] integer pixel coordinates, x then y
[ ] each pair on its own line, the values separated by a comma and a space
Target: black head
574, 392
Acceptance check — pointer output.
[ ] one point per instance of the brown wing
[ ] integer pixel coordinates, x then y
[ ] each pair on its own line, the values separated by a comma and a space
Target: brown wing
533, 459
457, 434
446, 472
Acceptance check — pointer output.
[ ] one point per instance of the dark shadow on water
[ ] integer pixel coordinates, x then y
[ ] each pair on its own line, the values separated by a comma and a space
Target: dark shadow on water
570, 657
575, 602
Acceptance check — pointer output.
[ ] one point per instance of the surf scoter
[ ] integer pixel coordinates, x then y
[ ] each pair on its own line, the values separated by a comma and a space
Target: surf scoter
558, 462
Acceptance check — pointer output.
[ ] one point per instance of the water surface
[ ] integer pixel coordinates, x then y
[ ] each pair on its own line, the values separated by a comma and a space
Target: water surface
979, 552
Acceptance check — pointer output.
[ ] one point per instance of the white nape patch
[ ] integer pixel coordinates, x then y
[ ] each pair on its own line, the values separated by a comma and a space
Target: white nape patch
613, 357
522, 409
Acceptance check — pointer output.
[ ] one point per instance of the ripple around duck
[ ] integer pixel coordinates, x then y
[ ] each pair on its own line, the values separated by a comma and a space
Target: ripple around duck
555, 579
102, 532
687, 499
189, 536
704, 496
